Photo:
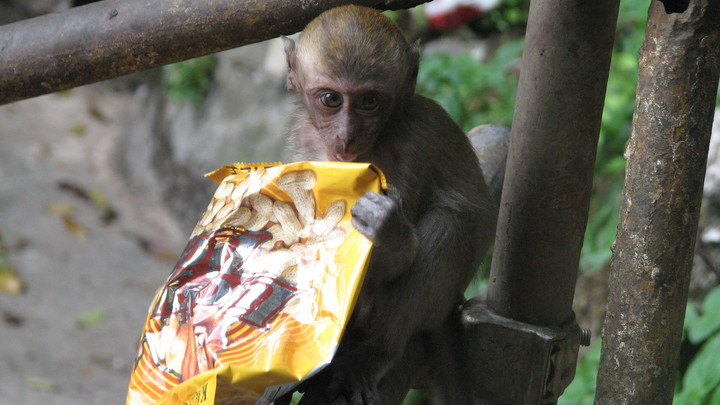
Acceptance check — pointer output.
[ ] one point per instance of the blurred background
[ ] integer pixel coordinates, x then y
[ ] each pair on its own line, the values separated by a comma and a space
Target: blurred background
101, 185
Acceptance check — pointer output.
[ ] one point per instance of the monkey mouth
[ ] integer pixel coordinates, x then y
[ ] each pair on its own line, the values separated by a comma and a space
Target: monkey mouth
342, 157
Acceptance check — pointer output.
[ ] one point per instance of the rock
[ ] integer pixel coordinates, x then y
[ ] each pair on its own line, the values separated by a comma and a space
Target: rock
168, 145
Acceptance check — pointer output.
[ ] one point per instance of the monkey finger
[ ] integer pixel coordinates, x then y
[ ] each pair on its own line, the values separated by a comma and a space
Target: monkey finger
318, 397
334, 387
351, 386
368, 218
378, 204
367, 210
377, 199
284, 400
356, 398
371, 397
362, 392
363, 228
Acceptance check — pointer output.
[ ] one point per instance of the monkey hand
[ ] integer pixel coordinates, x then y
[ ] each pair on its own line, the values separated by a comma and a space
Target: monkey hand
380, 219
373, 215
357, 381
341, 384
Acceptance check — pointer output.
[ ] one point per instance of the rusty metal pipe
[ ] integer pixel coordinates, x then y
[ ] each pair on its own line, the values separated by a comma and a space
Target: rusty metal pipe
528, 314
544, 206
653, 252
112, 38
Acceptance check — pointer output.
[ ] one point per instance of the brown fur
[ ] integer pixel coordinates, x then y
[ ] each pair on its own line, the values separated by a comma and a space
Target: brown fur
430, 231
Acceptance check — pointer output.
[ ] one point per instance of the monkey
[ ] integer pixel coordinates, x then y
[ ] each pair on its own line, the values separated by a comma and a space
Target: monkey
355, 74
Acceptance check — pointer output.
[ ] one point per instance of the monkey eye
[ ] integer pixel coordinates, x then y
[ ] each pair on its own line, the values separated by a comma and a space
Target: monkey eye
331, 99
370, 102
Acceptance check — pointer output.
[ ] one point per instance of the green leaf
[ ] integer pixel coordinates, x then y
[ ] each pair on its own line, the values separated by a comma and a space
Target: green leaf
614, 164
714, 397
10, 282
691, 316
703, 375
582, 389
91, 318
471, 91
41, 383
709, 320
415, 397
190, 80
78, 129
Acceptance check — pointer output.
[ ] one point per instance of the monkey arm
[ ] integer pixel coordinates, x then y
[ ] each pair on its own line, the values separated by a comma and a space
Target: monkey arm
449, 249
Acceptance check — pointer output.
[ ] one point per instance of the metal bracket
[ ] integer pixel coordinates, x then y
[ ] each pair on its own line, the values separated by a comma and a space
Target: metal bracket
518, 363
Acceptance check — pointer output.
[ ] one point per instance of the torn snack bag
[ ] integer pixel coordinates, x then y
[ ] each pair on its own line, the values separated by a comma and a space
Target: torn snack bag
261, 295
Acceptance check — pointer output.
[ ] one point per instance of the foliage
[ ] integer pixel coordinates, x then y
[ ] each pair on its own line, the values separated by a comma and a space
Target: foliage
507, 15
614, 132
477, 93
416, 397
582, 389
473, 93
410, 20
190, 80
700, 382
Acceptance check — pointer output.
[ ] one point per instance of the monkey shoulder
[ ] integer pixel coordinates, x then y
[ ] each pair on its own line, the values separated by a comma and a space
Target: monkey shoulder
432, 129
421, 109
439, 154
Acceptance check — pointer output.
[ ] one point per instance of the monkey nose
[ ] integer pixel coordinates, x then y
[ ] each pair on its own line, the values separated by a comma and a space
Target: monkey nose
342, 144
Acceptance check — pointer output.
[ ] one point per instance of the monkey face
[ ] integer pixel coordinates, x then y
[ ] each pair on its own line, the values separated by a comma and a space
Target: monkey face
348, 116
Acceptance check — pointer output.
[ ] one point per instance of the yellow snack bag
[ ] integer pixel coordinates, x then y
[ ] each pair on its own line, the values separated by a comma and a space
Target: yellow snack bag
263, 290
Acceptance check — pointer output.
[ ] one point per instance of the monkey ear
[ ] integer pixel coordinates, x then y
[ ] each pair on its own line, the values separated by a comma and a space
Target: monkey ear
290, 55
414, 65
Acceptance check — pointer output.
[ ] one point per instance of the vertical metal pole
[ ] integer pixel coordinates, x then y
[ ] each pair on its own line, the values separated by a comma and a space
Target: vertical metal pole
653, 252
544, 206
525, 340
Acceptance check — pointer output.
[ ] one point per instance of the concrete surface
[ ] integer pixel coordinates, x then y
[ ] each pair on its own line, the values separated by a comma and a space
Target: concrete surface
46, 355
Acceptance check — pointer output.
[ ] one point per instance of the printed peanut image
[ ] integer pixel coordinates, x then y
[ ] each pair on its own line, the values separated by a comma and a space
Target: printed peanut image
242, 204
254, 253
296, 233
265, 283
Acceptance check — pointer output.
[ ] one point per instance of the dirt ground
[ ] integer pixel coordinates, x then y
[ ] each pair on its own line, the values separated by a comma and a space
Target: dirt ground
90, 252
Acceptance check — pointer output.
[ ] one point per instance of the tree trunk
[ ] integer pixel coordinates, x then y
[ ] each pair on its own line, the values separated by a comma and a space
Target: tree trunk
653, 252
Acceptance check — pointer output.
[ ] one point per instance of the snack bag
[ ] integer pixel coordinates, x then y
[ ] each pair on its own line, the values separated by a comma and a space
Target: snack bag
263, 289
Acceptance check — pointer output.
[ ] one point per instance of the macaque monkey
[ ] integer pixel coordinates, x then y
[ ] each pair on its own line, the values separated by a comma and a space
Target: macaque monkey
355, 74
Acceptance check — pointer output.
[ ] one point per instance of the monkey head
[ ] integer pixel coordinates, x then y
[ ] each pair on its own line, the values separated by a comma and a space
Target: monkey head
352, 67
